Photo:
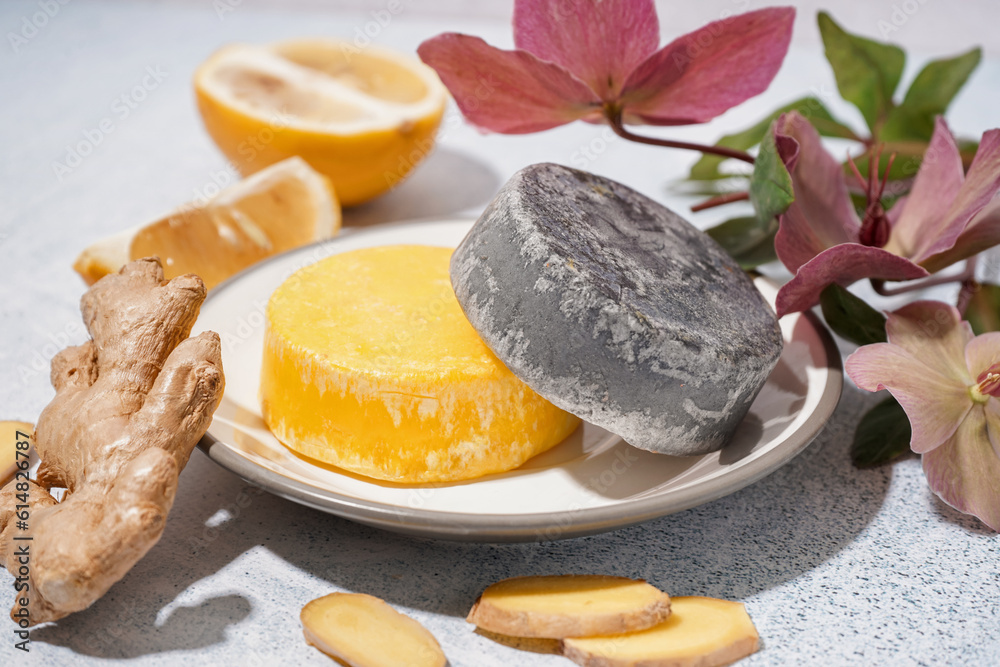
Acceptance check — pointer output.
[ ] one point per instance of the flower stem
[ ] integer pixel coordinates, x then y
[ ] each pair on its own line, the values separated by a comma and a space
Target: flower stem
965, 294
967, 275
720, 200
615, 121
969, 286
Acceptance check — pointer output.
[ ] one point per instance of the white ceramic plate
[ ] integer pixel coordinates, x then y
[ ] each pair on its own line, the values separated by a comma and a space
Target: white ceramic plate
590, 483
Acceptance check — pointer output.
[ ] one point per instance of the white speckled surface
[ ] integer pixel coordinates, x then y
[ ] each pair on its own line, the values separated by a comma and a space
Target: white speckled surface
836, 566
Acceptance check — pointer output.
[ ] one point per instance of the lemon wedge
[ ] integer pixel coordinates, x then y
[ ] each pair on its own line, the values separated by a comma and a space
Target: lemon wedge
362, 117
282, 207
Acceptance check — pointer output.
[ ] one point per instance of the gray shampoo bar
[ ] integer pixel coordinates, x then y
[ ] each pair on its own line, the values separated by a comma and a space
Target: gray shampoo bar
615, 308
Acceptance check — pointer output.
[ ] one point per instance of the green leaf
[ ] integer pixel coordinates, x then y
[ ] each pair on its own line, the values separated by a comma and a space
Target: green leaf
867, 71
908, 156
883, 435
707, 168
967, 148
983, 312
929, 95
850, 317
748, 240
771, 184
721, 186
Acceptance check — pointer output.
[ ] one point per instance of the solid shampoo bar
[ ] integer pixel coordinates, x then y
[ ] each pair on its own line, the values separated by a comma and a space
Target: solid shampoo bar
616, 309
370, 365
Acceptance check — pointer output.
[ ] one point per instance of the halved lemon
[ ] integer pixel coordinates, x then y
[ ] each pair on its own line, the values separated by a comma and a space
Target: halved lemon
282, 207
362, 117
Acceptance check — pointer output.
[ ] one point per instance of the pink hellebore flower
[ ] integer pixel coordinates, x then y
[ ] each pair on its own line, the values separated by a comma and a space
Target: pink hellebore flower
947, 216
585, 59
948, 382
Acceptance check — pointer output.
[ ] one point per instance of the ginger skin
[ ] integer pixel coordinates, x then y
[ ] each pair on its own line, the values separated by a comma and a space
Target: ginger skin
130, 405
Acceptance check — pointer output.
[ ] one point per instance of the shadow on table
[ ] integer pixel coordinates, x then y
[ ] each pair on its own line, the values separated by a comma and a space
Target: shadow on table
432, 191
750, 541
127, 628
966, 521
740, 545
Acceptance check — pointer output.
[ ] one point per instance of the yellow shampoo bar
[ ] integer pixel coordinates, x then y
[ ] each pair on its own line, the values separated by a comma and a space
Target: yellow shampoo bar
370, 365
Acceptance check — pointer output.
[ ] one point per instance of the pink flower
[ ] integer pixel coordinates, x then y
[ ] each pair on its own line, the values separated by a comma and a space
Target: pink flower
582, 59
948, 382
946, 218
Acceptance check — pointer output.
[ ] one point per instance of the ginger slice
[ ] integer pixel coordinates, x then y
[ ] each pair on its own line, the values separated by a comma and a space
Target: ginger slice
363, 631
569, 606
9, 448
130, 405
701, 632
529, 644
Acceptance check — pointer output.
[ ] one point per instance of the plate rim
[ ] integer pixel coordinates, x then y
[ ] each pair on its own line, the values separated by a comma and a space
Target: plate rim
534, 527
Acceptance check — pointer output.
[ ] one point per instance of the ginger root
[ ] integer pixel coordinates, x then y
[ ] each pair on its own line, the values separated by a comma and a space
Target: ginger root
363, 631
572, 605
10, 434
701, 632
130, 405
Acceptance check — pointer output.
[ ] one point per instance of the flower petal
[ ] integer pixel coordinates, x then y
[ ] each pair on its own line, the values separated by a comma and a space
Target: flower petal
506, 91
934, 332
934, 404
982, 233
703, 73
822, 215
982, 183
894, 213
992, 408
965, 470
600, 42
842, 264
938, 181
982, 352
